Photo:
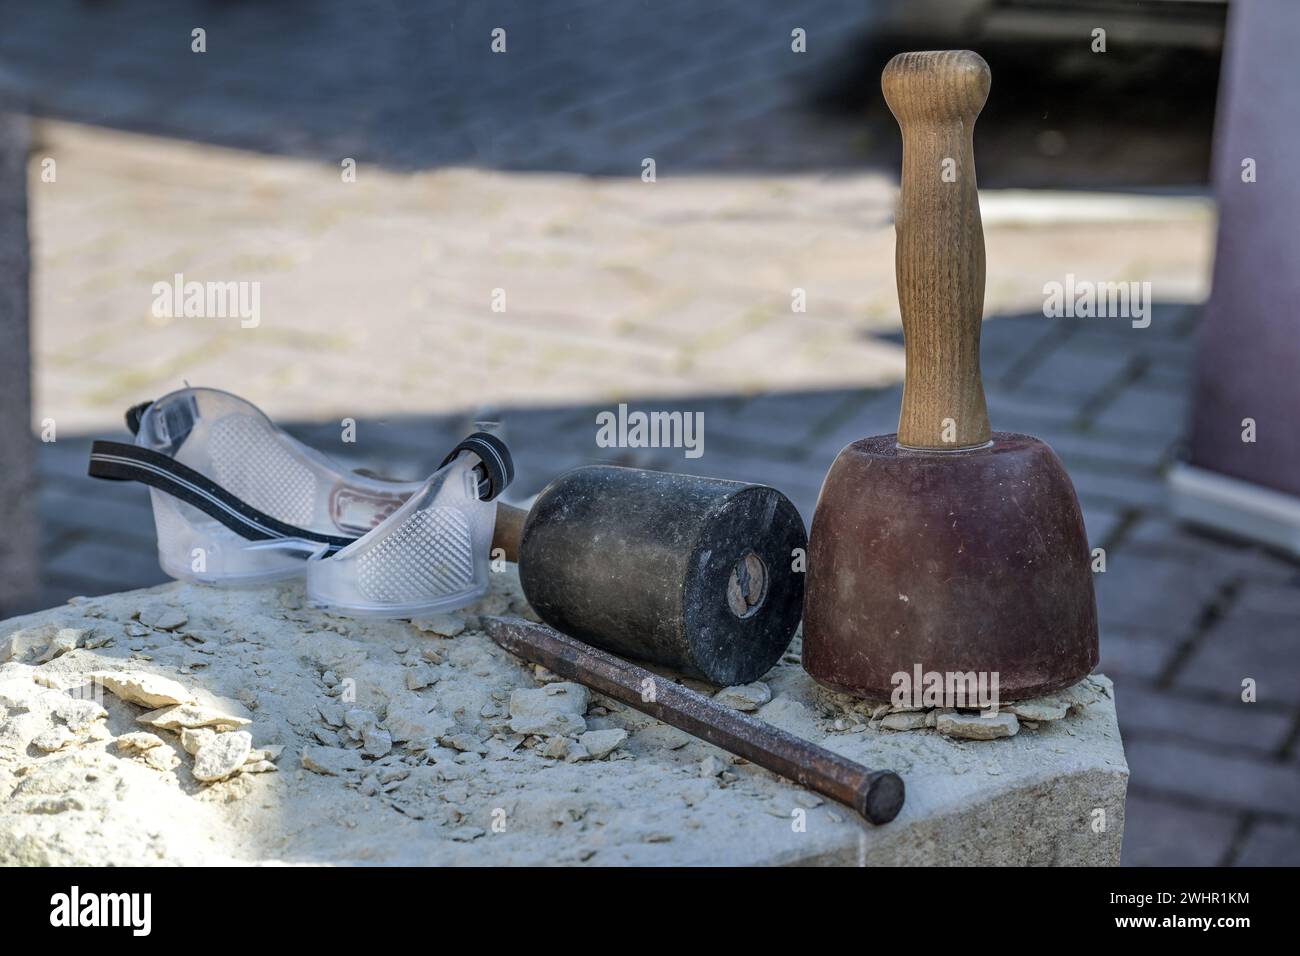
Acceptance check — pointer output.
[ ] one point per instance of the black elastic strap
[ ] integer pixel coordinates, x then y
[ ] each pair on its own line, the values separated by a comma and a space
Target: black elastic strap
496, 472
134, 414
118, 461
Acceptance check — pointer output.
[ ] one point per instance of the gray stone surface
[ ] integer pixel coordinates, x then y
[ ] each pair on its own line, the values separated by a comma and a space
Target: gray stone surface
477, 792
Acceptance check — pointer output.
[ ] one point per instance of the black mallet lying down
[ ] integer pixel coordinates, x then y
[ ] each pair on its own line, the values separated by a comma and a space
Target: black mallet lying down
701, 575
875, 794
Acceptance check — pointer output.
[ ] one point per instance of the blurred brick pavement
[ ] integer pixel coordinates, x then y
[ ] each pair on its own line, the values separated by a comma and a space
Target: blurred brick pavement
581, 87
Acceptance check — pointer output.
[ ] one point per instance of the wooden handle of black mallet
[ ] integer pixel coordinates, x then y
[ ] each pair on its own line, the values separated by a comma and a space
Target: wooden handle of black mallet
939, 252
875, 794
509, 530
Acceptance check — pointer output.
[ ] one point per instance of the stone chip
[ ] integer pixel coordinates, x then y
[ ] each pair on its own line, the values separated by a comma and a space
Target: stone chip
64, 640
550, 710
147, 690
331, 761
162, 759
418, 678
163, 618
190, 715
444, 625
904, 720
1040, 708
269, 752
77, 712
745, 697
376, 742
222, 755
138, 742
968, 726
192, 738
53, 738
412, 718
601, 743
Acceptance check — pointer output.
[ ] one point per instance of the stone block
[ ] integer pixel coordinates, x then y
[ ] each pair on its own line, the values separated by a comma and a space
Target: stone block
472, 791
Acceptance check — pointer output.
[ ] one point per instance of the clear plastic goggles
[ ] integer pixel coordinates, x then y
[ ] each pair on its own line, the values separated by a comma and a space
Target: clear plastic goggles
237, 501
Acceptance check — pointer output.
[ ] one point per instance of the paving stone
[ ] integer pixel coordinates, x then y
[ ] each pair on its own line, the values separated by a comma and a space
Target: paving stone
1269, 599
1137, 409
788, 418
1156, 535
1006, 342
877, 416
1101, 523
1268, 844
1170, 322
1168, 354
296, 102
1039, 415
1077, 375
749, 433
1159, 534
1172, 374
1213, 779
1146, 711
1154, 596
19, 561
1159, 832
110, 565
67, 457
1118, 487
1262, 647
1093, 448
1127, 655
121, 511
55, 590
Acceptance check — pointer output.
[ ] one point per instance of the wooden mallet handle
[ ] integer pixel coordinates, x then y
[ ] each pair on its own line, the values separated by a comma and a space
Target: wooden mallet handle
939, 255
509, 530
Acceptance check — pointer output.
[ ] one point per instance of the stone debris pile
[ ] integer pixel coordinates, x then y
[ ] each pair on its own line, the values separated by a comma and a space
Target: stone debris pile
55, 711
848, 715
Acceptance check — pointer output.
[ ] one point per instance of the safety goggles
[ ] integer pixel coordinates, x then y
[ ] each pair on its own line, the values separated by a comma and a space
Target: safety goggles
237, 501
